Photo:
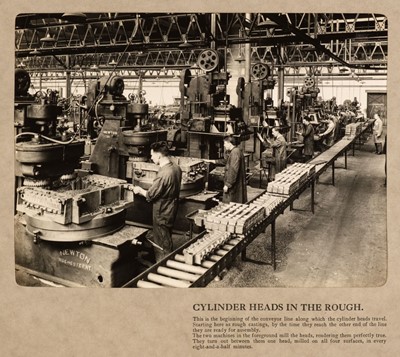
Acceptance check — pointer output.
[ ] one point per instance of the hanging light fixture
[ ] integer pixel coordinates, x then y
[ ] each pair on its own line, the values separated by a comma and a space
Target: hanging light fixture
265, 22
141, 54
240, 58
48, 39
35, 52
113, 62
77, 68
94, 67
78, 17
185, 43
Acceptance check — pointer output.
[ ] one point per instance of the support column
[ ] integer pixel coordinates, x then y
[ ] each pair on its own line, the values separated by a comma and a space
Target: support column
247, 56
67, 78
281, 77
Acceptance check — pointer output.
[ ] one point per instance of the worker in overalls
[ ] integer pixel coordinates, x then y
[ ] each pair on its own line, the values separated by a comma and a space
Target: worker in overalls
307, 133
329, 134
164, 194
278, 145
234, 189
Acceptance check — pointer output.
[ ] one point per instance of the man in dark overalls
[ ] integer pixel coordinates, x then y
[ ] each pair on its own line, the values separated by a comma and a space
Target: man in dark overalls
308, 135
234, 189
164, 194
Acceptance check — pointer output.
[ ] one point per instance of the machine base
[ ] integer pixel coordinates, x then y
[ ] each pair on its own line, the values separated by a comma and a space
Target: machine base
104, 262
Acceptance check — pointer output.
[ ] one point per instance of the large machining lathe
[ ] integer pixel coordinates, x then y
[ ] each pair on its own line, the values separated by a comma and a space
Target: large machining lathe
70, 227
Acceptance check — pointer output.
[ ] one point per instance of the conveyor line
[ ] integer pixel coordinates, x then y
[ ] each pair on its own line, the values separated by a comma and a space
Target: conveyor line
172, 271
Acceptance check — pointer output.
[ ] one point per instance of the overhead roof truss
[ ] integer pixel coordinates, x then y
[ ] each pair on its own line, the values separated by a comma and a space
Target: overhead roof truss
174, 40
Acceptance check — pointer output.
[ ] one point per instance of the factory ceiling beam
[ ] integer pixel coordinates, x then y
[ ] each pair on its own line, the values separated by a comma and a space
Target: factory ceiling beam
147, 59
284, 22
103, 34
364, 53
112, 35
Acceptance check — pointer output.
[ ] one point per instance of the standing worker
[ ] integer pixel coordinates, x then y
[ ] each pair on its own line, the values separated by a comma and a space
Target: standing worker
164, 194
377, 132
329, 133
308, 135
234, 189
278, 144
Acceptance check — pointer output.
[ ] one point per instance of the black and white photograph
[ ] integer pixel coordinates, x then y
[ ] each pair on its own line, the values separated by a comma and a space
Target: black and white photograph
233, 157
193, 150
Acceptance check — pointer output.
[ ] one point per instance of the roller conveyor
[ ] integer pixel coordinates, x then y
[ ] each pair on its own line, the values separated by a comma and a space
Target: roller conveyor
172, 271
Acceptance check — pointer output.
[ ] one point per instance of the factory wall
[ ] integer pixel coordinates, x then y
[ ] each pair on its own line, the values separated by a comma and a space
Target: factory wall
162, 91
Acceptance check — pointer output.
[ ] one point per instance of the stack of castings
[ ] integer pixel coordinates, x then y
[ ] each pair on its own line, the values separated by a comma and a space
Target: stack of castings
289, 180
199, 250
309, 168
352, 130
268, 201
234, 217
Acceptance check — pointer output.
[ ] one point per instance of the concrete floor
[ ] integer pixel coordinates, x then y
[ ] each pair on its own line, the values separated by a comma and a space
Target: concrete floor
342, 245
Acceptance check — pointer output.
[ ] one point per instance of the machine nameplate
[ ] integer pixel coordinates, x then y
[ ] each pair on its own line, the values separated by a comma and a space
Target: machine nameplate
67, 253
75, 264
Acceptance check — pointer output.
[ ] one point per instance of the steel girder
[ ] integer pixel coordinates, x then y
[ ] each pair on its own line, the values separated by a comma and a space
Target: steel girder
173, 40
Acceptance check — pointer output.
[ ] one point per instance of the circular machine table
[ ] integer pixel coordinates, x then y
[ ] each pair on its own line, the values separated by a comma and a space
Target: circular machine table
101, 225
143, 138
31, 152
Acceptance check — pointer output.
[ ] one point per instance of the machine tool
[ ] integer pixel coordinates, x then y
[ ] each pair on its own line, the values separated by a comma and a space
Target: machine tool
205, 107
122, 148
70, 226
126, 133
256, 97
22, 99
43, 152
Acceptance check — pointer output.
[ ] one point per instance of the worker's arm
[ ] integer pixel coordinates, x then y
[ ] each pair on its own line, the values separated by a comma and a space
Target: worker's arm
154, 191
266, 142
278, 142
329, 129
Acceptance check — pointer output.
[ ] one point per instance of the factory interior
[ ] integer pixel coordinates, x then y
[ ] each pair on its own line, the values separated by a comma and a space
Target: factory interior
95, 91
